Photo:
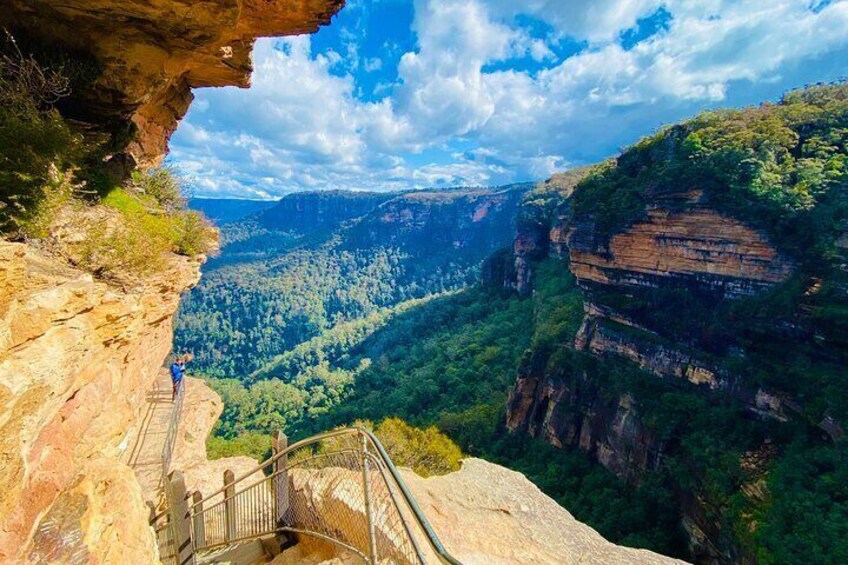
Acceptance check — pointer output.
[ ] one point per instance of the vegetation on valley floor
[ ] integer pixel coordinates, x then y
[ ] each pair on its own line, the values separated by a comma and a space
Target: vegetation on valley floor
449, 362
279, 283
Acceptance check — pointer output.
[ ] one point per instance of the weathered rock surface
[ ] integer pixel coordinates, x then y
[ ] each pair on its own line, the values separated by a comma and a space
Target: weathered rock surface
152, 53
487, 514
100, 519
77, 358
483, 514
699, 246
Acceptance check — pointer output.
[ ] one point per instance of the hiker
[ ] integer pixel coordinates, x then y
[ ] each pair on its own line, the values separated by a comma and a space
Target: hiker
178, 372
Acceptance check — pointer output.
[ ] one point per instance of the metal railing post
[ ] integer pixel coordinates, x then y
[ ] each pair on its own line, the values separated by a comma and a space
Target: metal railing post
279, 443
230, 504
197, 520
181, 518
366, 485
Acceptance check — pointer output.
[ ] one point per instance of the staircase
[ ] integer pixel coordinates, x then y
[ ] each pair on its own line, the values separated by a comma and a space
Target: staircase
335, 495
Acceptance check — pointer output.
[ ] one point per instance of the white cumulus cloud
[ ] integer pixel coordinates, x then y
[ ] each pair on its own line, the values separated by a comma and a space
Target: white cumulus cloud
465, 110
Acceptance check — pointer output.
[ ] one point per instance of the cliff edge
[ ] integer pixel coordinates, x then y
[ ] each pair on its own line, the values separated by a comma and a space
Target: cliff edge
78, 357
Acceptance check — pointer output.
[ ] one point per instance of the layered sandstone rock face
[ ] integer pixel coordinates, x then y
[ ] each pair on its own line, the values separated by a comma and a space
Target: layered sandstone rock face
698, 245
151, 53
78, 357
691, 247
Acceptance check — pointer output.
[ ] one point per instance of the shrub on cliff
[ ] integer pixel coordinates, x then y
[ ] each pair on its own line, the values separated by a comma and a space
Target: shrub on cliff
161, 191
131, 233
251, 444
36, 144
426, 451
47, 174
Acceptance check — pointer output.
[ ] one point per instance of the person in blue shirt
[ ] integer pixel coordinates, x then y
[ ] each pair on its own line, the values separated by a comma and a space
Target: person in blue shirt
177, 373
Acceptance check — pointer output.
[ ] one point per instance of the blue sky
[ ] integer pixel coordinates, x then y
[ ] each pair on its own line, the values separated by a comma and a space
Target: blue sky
399, 94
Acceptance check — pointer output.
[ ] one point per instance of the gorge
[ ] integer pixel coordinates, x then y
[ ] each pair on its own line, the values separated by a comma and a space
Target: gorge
650, 350
682, 332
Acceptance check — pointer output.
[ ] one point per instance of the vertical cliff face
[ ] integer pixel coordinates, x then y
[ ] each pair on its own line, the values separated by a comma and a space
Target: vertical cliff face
430, 222
78, 358
311, 211
566, 406
577, 398
540, 219
150, 54
696, 251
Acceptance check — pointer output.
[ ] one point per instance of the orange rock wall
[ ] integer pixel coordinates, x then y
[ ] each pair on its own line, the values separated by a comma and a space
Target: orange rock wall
77, 359
698, 244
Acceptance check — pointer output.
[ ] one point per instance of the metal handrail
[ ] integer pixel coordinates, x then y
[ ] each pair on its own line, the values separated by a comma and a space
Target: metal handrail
171, 434
419, 516
162, 524
380, 462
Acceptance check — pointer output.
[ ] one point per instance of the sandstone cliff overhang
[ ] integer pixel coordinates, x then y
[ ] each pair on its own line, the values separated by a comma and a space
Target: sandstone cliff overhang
151, 53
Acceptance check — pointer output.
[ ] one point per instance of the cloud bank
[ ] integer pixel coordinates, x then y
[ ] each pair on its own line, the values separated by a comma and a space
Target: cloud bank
491, 92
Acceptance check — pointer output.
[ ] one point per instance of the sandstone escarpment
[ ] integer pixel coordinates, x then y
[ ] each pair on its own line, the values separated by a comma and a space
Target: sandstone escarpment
568, 408
679, 247
78, 358
151, 54
694, 248
310, 211
698, 246
430, 222
605, 336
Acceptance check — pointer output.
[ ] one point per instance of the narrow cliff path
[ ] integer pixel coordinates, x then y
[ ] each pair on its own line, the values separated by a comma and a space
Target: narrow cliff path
145, 453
